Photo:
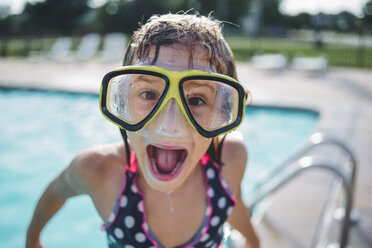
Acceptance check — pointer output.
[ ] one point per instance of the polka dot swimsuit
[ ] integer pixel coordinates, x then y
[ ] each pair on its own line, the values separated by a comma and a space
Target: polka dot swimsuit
127, 227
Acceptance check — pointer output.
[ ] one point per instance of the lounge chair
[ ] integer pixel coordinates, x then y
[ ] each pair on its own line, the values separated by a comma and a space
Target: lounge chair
269, 62
60, 51
114, 46
315, 65
88, 46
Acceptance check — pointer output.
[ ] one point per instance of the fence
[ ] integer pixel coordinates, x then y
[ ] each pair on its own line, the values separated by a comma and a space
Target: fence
347, 50
340, 50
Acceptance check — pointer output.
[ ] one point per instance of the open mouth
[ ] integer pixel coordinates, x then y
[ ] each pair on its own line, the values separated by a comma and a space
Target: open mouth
165, 162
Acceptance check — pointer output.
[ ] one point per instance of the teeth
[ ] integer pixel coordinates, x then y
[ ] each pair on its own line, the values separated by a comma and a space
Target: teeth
154, 165
176, 168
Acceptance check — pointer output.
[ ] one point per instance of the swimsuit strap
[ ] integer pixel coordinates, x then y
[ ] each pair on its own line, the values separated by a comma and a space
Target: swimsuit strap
133, 163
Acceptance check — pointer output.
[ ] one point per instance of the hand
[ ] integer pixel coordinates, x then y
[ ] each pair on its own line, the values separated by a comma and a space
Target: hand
33, 241
250, 245
36, 244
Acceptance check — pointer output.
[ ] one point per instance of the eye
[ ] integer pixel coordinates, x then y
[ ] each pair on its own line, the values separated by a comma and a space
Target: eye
195, 101
149, 95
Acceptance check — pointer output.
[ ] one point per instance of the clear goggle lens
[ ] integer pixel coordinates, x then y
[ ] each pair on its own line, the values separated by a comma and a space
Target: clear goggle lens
132, 97
212, 104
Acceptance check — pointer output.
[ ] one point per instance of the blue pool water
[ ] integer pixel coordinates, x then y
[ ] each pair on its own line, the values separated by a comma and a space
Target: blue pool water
40, 132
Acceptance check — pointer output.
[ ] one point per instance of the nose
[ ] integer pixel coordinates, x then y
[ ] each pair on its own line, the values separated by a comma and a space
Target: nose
170, 121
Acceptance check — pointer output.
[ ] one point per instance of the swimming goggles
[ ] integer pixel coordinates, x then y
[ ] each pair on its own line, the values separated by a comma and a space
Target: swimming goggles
132, 96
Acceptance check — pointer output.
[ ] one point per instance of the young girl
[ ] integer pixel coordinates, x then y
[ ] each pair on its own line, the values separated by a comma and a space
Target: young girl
176, 178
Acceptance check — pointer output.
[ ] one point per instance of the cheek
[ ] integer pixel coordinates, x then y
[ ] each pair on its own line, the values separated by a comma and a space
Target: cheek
201, 145
134, 140
136, 143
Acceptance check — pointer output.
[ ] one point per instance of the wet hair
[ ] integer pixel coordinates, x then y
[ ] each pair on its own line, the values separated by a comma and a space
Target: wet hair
190, 31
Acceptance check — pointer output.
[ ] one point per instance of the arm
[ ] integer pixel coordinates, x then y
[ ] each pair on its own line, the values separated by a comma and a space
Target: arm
240, 220
69, 183
234, 156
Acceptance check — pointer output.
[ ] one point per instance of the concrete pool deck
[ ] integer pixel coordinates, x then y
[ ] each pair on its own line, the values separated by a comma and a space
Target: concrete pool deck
343, 97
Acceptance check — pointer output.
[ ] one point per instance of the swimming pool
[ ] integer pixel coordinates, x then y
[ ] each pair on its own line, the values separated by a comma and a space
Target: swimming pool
40, 132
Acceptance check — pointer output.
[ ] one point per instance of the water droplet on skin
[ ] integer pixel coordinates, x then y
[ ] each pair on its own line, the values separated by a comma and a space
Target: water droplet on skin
171, 209
206, 142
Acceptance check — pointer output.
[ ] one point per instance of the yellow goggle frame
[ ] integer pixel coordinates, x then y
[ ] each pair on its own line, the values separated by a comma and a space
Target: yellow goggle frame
173, 90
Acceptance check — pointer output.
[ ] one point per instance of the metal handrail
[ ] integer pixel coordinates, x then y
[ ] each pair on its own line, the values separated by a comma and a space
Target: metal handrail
295, 165
315, 140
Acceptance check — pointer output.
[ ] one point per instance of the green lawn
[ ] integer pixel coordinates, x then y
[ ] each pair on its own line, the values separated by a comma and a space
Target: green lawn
243, 48
338, 55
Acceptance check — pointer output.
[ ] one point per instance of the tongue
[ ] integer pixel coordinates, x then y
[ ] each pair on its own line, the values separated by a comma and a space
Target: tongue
166, 160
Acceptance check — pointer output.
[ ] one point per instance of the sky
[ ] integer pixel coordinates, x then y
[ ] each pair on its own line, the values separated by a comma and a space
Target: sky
325, 6
288, 6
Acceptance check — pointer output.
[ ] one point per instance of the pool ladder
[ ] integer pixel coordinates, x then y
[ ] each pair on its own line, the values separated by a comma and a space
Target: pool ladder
300, 163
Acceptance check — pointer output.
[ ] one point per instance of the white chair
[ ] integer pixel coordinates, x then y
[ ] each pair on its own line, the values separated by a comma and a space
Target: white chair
317, 65
114, 46
269, 62
60, 49
88, 46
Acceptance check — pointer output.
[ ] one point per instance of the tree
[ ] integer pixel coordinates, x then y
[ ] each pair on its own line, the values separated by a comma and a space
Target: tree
271, 14
272, 20
367, 12
225, 10
299, 21
4, 18
124, 15
345, 22
54, 15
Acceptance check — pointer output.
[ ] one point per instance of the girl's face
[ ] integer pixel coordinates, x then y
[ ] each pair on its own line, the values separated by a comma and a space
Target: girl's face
168, 149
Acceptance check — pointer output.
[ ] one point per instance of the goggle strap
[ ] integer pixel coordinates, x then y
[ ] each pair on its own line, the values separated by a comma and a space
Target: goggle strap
126, 143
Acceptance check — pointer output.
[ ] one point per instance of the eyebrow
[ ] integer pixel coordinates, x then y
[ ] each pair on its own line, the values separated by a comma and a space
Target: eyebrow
196, 84
149, 79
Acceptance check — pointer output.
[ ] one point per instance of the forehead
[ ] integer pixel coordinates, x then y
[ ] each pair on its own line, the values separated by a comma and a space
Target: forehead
179, 58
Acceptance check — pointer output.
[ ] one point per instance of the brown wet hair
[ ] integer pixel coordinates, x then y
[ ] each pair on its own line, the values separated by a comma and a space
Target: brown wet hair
191, 31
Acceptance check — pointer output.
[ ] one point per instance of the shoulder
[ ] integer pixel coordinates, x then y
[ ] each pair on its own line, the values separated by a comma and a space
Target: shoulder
97, 157
92, 167
234, 157
234, 153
